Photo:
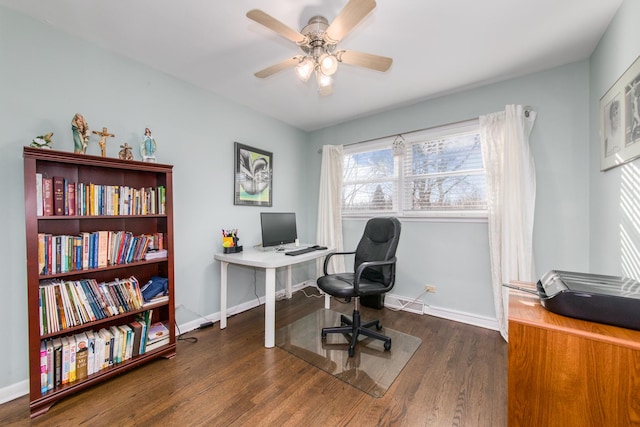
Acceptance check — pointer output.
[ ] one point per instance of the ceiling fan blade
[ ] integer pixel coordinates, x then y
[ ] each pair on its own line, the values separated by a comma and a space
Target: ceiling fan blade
274, 25
360, 59
348, 18
287, 63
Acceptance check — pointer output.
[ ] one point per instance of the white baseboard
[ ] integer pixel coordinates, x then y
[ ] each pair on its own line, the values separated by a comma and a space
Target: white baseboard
398, 302
215, 317
463, 317
14, 391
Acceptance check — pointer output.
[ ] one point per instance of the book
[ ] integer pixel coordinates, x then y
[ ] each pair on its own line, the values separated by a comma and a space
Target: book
158, 343
103, 248
42, 311
50, 365
91, 349
48, 241
155, 254
107, 353
156, 300
98, 358
60, 306
57, 361
157, 331
82, 356
58, 195
71, 198
145, 320
47, 196
42, 262
117, 344
65, 360
136, 327
72, 359
39, 196
127, 342
43, 367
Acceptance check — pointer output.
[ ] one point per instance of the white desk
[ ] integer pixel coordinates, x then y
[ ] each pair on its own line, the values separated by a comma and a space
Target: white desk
270, 261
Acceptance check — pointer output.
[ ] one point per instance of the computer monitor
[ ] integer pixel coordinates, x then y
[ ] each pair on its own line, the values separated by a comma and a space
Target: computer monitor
278, 228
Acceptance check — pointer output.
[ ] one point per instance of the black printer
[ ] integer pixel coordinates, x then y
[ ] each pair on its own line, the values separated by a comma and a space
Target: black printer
604, 299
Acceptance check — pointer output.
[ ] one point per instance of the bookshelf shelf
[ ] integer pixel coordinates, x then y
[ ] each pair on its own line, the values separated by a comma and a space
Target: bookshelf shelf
107, 268
155, 183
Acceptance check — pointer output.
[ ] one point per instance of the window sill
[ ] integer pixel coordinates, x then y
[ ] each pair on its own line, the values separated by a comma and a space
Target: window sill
474, 216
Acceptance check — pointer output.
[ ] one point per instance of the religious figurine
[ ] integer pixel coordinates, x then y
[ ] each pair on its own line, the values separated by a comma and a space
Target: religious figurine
148, 147
125, 153
81, 134
43, 141
103, 140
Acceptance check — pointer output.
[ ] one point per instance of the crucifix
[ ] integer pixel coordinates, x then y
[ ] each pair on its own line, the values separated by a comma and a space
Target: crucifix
103, 140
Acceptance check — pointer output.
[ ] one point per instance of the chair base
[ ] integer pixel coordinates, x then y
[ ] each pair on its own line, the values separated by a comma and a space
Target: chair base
355, 328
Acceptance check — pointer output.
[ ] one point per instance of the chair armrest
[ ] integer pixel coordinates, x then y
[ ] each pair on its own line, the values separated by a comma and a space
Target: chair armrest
328, 257
367, 264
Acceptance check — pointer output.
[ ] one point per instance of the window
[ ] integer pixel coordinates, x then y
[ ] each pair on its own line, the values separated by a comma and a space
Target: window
434, 172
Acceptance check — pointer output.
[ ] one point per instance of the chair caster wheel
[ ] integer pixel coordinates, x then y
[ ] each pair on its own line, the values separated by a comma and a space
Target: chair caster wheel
351, 352
378, 326
324, 335
387, 345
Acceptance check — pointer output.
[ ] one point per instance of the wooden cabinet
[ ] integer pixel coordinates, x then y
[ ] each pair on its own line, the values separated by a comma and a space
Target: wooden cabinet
569, 372
80, 168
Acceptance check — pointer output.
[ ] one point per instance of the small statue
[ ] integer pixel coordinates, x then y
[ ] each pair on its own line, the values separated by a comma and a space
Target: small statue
103, 140
43, 141
148, 147
125, 153
81, 134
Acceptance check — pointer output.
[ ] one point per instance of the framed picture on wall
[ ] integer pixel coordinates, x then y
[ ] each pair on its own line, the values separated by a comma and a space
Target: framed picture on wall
253, 176
620, 120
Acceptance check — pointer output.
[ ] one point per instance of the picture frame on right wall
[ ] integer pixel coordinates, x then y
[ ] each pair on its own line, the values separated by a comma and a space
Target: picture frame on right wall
620, 120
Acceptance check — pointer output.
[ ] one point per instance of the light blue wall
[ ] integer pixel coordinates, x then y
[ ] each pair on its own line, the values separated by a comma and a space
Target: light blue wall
47, 76
615, 232
454, 256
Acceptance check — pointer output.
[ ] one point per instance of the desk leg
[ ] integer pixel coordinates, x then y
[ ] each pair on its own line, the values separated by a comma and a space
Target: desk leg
270, 308
287, 289
327, 301
223, 294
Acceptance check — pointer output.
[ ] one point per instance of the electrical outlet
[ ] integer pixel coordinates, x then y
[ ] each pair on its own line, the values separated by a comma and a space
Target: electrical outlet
430, 288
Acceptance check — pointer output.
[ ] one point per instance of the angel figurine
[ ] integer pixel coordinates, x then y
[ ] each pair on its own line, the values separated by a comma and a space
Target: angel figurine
81, 134
148, 147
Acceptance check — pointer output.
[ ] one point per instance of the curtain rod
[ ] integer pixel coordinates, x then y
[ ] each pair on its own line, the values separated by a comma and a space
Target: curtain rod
527, 109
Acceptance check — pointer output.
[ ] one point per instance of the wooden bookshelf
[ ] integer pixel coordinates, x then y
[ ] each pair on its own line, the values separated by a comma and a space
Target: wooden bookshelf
81, 168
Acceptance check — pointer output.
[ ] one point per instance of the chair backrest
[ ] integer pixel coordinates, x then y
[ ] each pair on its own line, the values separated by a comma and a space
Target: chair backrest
378, 243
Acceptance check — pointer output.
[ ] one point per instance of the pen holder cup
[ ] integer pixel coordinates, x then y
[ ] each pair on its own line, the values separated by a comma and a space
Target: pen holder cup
230, 245
232, 249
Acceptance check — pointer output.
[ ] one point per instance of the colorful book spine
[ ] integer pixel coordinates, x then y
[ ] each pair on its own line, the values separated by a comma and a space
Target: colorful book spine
58, 195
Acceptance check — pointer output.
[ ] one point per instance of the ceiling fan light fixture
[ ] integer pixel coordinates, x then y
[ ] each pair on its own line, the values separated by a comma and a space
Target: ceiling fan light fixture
328, 64
323, 81
305, 68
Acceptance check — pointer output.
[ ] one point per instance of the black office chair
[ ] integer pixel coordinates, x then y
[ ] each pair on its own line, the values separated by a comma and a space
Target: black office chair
374, 274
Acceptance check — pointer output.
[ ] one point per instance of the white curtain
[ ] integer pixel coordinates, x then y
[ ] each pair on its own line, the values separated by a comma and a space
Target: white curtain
329, 232
511, 197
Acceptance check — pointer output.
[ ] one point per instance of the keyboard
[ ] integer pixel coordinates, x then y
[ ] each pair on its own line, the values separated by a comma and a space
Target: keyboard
305, 250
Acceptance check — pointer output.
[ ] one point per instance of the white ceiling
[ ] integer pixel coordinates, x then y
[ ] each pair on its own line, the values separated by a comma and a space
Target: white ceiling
438, 46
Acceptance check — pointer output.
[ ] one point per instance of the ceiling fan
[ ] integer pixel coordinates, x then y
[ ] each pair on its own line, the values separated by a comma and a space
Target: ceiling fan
318, 40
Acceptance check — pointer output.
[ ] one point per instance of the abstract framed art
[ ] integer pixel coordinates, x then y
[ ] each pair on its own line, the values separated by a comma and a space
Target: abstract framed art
620, 120
253, 179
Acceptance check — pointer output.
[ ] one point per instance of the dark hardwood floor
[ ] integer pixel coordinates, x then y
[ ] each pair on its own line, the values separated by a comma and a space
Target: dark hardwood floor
457, 377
